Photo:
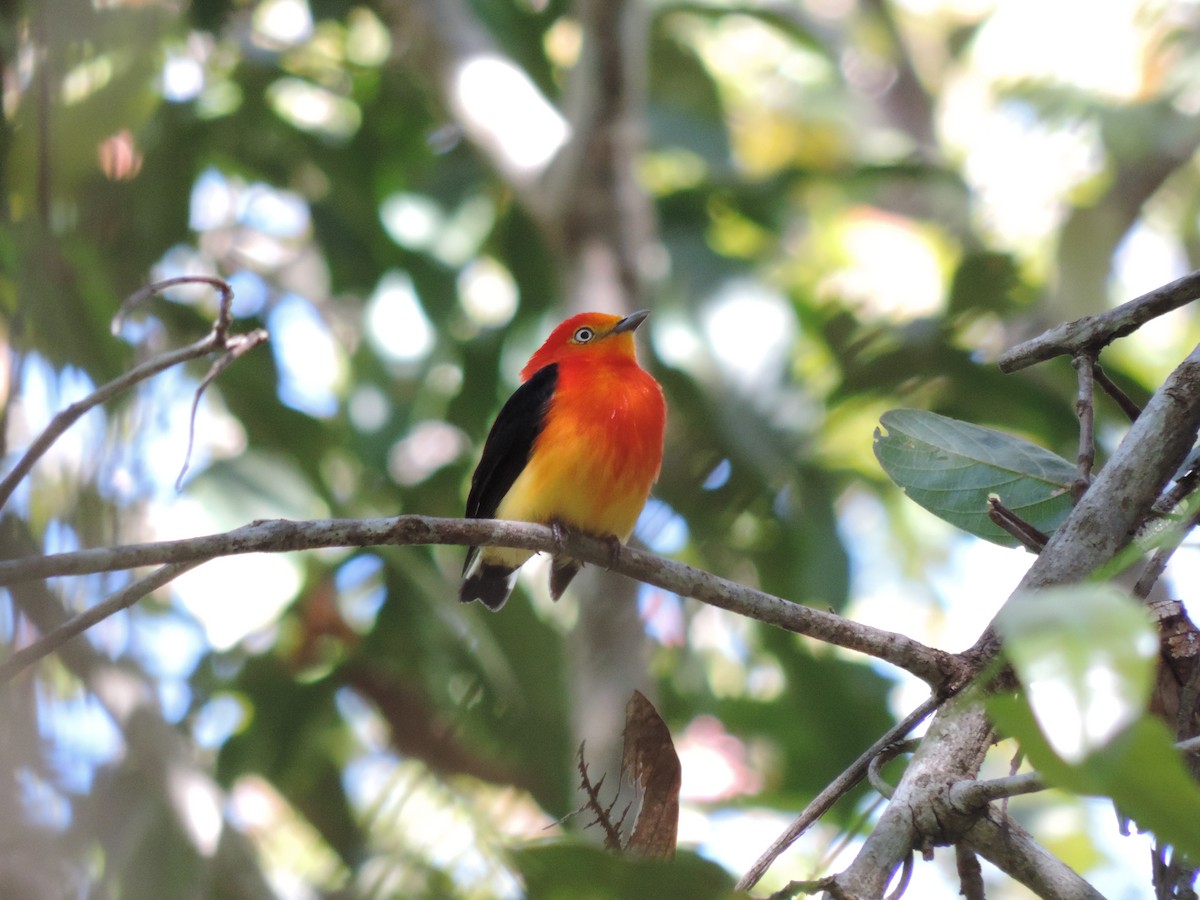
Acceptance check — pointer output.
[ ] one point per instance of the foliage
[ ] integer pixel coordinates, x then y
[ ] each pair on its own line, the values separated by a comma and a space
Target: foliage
832, 242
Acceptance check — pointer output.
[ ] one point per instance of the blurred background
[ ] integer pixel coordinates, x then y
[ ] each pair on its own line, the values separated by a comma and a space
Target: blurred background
833, 207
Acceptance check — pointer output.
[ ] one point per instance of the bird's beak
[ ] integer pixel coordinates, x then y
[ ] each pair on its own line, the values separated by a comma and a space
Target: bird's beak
631, 321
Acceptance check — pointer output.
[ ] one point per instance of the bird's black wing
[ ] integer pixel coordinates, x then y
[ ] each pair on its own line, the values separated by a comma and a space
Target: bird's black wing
508, 446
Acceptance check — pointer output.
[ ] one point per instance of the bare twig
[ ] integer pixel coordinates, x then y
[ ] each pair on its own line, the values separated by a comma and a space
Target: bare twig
163, 752
937, 667
1110, 387
603, 814
217, 339
76, 625
796, 888
1085, 409
1178, 492
1092, 333
236, 347
905, 877
906, 871
1158, 562
970, 873
874, 770
833, 792
1029, 537
969, 794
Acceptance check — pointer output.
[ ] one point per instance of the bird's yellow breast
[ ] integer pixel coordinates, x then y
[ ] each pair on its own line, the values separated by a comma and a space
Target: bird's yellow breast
598, 454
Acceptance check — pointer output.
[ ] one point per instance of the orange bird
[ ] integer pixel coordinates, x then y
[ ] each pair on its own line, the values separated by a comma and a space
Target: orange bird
578, 445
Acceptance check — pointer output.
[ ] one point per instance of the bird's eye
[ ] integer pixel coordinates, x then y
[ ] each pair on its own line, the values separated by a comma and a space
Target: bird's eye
583, 335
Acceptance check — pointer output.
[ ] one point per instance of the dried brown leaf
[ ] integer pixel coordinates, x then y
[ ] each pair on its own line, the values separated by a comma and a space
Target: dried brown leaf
650, 759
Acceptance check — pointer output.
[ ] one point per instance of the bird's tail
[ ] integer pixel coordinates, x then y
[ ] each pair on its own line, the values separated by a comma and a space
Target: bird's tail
488, 583
562, 570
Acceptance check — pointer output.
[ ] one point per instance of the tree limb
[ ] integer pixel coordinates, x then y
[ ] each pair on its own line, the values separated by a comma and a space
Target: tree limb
1091, 333
165, 758
76, 625
1100, 525
938, 668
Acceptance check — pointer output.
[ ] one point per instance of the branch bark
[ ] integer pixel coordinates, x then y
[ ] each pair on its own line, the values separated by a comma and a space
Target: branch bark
1092, 333
936, 667
1118, 501
167, 760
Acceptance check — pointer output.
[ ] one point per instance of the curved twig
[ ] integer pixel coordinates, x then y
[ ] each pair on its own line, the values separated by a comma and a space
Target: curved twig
217, 339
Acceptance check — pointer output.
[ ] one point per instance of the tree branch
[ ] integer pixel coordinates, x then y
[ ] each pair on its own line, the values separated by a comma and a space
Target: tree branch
217, 339
938, 668
1122, 494
1091, 333
76, 625
833, 792
1117, 502
165, 758
1010, 848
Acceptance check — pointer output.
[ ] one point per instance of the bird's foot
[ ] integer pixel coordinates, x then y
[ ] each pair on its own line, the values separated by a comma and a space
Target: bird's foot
614, 548
559, 530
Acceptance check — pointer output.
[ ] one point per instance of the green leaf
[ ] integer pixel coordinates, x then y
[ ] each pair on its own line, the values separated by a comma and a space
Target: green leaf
563, 871
1140, 771
1085, 655
950, 467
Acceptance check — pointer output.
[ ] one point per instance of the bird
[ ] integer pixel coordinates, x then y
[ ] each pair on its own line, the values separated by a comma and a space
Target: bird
577, 446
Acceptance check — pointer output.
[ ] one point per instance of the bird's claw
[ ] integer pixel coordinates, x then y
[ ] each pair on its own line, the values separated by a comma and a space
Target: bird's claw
560, 535
614, 549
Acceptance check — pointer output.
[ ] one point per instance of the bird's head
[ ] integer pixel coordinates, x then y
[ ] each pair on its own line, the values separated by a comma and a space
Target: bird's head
595, 336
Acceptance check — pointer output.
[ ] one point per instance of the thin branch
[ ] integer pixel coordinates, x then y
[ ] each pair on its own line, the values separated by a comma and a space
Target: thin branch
1085, 409
796, 888
1179, 491
214, 340
236, 348
1029, 537
833, 792
1010, 848
1166, 549
970, 874
612, 833
163, 752
224, 306
1122, 493
1110, 387
970, 795
93, 615
940, 669
1092, 333
874, 770
906, 871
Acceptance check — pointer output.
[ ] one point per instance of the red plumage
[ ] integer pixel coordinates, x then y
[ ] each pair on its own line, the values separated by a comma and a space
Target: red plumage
578, 444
